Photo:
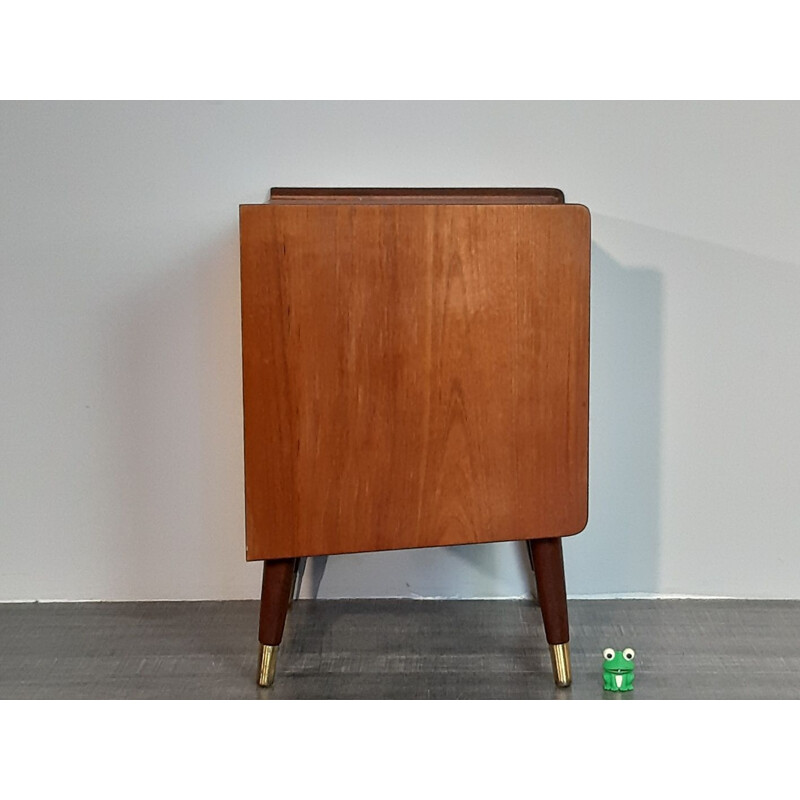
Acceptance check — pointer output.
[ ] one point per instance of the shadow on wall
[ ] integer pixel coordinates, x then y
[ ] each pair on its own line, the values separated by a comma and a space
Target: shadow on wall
619, 550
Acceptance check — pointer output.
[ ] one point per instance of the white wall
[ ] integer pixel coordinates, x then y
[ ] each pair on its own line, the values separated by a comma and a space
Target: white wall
120, 403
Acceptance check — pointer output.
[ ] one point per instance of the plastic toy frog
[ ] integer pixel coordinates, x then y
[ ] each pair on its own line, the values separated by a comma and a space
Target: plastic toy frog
618, 669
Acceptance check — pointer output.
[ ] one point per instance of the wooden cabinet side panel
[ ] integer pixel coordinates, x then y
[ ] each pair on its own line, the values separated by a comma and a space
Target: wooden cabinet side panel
413, 375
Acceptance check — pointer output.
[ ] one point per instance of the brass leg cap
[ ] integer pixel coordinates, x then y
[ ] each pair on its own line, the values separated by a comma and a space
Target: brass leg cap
266, 670
562, 667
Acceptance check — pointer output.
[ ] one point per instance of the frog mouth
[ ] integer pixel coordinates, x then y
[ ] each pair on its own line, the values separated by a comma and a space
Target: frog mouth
619, 671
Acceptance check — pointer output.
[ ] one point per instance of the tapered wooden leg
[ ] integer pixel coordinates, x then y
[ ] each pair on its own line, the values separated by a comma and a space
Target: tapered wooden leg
548, 567
276, 589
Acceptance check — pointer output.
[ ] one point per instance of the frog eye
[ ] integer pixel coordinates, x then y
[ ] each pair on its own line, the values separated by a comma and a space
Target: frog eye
608, 654
628, 654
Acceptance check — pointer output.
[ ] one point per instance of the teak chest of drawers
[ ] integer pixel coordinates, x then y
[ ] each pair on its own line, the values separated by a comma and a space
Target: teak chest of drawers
416, 373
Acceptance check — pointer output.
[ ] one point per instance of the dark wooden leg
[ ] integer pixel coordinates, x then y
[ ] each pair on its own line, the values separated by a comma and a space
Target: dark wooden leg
276, 589
548, 567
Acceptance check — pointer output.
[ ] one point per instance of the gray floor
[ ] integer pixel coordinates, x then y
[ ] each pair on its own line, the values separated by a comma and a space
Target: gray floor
397, 649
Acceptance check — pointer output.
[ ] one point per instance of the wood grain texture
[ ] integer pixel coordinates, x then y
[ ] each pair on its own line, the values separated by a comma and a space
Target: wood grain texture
415, 196
414, 375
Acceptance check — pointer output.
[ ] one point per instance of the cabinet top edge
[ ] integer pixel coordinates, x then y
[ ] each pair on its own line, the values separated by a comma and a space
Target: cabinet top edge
413, 196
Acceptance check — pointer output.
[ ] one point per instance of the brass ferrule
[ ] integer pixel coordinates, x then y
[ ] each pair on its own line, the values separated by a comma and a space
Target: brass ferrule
266, 671
562, 667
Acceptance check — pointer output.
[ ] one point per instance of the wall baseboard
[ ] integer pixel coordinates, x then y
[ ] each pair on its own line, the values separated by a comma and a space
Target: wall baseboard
614, 596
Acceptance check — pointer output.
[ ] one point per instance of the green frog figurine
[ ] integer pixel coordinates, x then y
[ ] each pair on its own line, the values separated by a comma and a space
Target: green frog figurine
618, 669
